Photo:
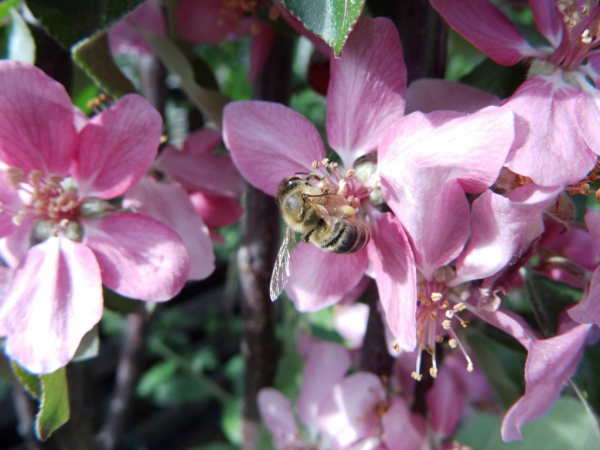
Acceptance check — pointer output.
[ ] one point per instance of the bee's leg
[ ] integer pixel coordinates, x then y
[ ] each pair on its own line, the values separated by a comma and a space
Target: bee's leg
306, 237
311, 177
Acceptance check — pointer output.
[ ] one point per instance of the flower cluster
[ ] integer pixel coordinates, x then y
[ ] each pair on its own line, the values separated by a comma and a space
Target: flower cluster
453, 184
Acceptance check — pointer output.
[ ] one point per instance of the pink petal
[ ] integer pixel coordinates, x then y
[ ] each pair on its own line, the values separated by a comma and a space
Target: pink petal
350, 321
262, 44
396, 277
10, 205
172, 206
588, 310
588, 114
367, 89
349, 412
55, 298
487, 28
117, 148
500, 227
548, 20
139, 256
278, 416
550, 364
216, 211
427, 169
197, 169
269, 142
327, 363
592, 220
510, 323
37, 130
203, 22
320, 279
432, 94
123, 38
445, 402
14, 247
548, 147
403, 430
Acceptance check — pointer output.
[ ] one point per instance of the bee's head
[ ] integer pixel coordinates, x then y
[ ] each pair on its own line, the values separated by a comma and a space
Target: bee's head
288, 185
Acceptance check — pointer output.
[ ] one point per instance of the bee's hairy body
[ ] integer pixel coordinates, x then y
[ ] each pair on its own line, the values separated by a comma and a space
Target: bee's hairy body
324, 218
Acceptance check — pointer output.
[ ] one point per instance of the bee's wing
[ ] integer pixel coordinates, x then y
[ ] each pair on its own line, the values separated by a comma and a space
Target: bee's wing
281, 271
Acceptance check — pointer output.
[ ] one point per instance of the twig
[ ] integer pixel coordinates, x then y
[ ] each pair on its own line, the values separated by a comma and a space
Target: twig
374, 356
256, 258
128, 372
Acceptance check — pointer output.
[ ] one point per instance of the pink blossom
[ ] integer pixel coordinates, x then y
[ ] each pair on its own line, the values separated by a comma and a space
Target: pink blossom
196, 195
557, 108
57, 177
340, 412
124, 38
270, 142
550, 365
214, 21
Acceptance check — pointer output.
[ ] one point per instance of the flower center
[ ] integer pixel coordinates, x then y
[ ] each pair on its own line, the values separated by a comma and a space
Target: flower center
581, 33
52, 199
346, 184
435, 320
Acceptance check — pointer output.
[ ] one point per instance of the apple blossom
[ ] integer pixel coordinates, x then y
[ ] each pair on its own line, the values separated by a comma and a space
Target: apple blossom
60, 233
558, 107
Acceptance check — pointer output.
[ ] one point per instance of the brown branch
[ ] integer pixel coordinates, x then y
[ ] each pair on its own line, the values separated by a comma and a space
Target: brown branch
374, 355
423, 35
256, 258
128, 372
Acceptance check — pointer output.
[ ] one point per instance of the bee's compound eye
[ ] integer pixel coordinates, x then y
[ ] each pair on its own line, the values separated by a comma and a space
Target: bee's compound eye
291, 182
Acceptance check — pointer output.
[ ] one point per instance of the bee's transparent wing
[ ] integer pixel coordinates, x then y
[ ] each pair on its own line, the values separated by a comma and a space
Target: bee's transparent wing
281, 271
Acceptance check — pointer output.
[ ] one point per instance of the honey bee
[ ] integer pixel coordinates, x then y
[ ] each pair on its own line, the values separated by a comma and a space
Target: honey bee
324, 218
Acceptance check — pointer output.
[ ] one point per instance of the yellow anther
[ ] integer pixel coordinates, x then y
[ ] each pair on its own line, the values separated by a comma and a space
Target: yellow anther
460, 306
316, 164
445, 304
439, 339
325, 163
433, 315
350, 173
446, 324
396, 347
433, 372
452, 343
436, 296
416, 376
469, 367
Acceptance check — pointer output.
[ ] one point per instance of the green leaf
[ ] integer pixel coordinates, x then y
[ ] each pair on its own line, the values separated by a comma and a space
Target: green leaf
496, 79
21, 46
156, 376
30, 382
549, 298
567, 426
72, 21
54, 405
587, 376
488, 355
331, 20
231, 421
210, 102
6, 6
93, 55
89, 345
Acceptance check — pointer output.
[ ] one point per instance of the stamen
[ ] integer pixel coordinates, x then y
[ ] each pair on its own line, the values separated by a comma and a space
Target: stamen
462, 349
452, 343
350, 173
436, 296
316, 165
585, 37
